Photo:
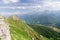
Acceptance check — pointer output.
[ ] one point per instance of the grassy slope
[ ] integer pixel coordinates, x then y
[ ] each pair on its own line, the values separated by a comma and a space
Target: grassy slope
21, 31
46, 32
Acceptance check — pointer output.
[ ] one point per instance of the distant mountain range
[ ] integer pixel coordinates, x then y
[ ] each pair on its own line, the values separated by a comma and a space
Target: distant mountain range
44, 18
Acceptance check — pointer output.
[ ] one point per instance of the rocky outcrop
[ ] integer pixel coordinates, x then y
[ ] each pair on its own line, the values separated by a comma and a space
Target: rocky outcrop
4, 29
15, 17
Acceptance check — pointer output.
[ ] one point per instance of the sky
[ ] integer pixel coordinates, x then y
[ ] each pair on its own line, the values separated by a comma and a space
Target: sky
11, 7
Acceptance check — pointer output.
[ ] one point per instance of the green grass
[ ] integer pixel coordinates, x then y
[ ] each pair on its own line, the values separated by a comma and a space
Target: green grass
21, 31
46, 32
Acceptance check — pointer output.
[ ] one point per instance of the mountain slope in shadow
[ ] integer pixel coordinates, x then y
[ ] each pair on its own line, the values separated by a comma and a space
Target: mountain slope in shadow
47, 32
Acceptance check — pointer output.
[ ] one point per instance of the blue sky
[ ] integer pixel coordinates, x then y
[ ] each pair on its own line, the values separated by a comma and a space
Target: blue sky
10, 7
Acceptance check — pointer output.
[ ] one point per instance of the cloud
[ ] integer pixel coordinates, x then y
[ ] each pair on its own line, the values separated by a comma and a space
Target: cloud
8, 13
9, 1
21, 7
12, 7
12, 13
45, 5
51, 5
14, 1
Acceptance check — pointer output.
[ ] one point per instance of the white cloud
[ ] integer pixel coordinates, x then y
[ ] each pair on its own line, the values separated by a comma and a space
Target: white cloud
14, 1
51, 5
7, 13
12, 7
11, 13
18, 12
6, 1
10, 1
21, 7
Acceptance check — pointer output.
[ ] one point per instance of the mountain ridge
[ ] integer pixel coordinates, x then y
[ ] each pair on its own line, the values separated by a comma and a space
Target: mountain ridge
20, 30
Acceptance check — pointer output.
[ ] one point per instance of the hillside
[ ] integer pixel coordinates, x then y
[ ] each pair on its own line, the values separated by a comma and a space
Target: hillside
21, 31
50, 33
45, 18
18, 29
32, 32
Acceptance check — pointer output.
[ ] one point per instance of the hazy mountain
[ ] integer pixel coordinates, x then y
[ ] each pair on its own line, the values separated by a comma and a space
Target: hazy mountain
45, 18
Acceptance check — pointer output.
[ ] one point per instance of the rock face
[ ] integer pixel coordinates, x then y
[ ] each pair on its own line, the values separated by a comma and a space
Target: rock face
4, 29
15, 18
